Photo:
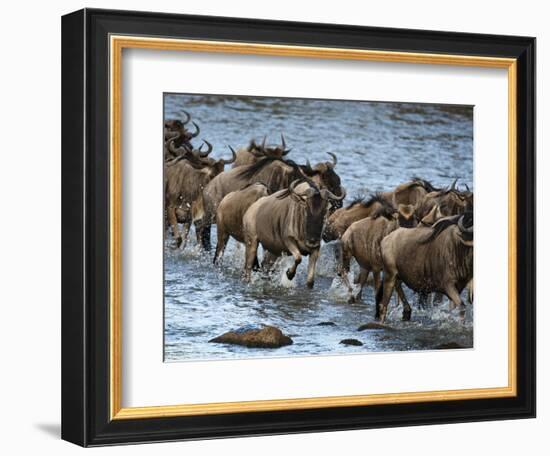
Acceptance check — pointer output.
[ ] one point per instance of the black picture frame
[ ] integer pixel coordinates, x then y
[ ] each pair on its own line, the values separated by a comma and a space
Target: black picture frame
85, 227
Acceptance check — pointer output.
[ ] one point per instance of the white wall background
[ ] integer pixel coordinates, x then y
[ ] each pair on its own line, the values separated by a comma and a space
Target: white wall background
30, 192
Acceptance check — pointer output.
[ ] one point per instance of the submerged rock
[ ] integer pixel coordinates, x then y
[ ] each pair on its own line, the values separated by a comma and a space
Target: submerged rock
448, 346
351, 342
255, 337
374, 325
326, 323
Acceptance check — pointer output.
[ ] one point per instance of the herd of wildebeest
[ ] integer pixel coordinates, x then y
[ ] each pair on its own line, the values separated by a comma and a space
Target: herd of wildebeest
415, 234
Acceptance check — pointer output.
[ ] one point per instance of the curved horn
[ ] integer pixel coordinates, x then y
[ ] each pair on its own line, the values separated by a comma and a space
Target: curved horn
205, 154
462, 228
467, 188
283, 145
198, 130
262, 146
232, 160
453, 185
334, 158
327, 194
187, 117
176, 151
293, 185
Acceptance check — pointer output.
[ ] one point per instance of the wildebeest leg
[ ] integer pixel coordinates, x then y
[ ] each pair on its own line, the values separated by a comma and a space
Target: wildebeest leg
363, 276
406, 306
203, 232
250, 256
311, 263
173, 222
295, 251
437, 298
223, 237
185, 234
376, 281
338, 256
388, 284
268, 261
422, 299
343, 271
470, 288
454, 296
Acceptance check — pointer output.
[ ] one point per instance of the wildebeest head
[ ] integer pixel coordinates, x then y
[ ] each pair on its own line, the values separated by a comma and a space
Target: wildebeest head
324, 176
406, 216
218, 166
198, 158
188, 152
315, 202
464, 230
262, 150
451, 201
179, 126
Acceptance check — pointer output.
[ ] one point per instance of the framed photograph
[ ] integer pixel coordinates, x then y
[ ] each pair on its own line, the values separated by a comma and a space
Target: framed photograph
268, 227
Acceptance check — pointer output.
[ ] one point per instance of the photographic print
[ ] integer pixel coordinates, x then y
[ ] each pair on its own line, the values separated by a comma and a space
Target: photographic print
308, 227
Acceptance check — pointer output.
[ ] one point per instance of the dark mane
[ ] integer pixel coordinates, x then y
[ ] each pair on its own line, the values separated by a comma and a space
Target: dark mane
249, 171
189, 159
386, 210
440, 226
426, 184
367, 202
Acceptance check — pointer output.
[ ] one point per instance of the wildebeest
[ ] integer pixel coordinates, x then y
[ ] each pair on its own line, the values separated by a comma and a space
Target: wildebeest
255, 152
184, 181
362, 242
172, 153
341, 219
179, 126
289, 221
229, 216
427, 260
451, 201
174, 129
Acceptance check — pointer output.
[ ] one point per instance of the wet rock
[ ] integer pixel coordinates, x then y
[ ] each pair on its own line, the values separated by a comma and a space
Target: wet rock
449, 346
351, 342
264, 336
326, 323
374, 325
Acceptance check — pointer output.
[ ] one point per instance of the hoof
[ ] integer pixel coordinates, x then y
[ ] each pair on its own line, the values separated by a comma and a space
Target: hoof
310, 284
289, 274
351, 300
406, 315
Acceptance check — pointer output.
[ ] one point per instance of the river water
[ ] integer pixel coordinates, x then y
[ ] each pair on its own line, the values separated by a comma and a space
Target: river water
379, 145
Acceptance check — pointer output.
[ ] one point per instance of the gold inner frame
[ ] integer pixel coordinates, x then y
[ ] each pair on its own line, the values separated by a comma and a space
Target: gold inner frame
117, 44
